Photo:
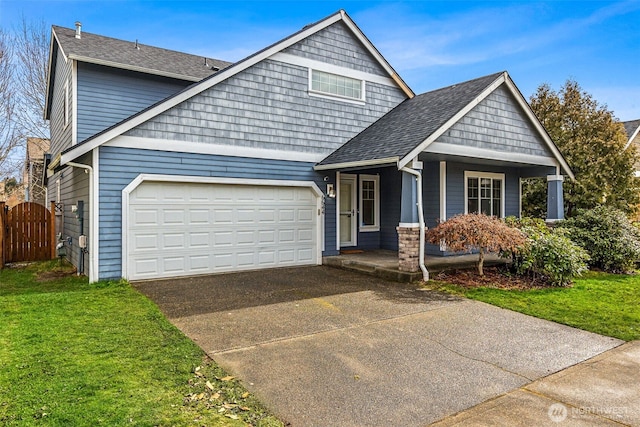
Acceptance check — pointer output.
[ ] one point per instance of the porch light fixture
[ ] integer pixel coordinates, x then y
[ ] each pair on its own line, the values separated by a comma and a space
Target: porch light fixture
331, 191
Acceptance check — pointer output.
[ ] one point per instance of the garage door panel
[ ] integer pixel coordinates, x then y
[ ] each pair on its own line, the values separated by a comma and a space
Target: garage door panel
183, 229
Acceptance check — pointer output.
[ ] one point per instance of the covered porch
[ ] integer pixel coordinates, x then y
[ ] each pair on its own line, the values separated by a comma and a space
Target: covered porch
384, 263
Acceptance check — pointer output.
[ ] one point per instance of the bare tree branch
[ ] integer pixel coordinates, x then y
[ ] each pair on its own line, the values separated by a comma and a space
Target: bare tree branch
31, 50
10, 137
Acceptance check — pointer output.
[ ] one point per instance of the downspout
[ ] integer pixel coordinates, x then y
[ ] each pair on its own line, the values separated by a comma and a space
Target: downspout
92, 226
418, 175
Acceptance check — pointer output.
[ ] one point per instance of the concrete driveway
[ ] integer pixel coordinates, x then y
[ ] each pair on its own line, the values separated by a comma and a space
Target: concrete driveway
327, 347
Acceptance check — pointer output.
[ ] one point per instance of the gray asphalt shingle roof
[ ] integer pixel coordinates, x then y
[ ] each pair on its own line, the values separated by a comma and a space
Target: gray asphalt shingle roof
150, 59
631, 126
410, 123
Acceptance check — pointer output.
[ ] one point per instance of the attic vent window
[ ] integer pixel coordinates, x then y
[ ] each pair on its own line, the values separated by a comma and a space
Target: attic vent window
337, 85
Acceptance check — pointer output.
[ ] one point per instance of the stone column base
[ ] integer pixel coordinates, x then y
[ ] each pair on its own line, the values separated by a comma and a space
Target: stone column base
408, 248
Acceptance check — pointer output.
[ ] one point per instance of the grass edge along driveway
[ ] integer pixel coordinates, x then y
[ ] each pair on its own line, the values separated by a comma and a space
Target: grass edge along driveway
73, 353
606, 304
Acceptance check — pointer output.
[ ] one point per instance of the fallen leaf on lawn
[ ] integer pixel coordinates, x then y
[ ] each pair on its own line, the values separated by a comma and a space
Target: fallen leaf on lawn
221, 410
232, 416
200, 396
244, 408
215, 396
245, 394
209, 385
198, 373
356, 377
229, 405
227, 378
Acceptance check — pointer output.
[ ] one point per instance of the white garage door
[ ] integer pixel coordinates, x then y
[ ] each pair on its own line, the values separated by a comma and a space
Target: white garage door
182, 229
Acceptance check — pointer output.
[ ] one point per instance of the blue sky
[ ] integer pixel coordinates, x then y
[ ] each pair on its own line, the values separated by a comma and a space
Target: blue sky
430, 43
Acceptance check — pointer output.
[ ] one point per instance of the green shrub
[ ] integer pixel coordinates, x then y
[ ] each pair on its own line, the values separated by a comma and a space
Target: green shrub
612, 242
548, 253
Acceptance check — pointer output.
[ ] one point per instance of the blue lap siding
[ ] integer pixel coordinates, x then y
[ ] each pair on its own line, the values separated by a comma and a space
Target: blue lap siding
119, 166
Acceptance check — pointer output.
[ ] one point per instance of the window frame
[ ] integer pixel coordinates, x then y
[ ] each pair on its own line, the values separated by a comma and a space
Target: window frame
489, 175
376, 203
330, 95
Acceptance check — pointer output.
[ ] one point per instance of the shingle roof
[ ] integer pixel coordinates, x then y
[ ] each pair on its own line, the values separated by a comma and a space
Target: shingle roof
124, 54
410, 123
631, 126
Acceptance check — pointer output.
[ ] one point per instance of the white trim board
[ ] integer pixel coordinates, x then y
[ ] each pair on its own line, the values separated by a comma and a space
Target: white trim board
492, 175
214, 149
137, 181
290, 59
483, 153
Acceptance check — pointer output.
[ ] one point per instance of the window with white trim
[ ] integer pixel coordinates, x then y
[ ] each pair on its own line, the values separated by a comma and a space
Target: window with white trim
484, 193
336, 85
369, 203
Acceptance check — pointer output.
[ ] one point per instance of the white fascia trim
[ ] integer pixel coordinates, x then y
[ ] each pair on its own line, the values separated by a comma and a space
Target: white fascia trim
376, 54
443, 190
214, 149
145, 70
483, 153
137, 181
633, 136
74, 102
541, 130
54, 39
453, 120
197, 88
357, 164
290, 59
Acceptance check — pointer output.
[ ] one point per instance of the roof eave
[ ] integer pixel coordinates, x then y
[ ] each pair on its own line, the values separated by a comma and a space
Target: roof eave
633, 136
358, 164
145, 70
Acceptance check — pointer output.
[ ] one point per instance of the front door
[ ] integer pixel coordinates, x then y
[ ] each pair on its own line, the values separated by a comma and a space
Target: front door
348, 214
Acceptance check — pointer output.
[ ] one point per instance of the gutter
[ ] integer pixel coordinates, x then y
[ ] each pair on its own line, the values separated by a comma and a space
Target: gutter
418, 175
93, 268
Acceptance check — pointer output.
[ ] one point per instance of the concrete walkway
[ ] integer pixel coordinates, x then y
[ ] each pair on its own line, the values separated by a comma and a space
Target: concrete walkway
326, 347
602, 391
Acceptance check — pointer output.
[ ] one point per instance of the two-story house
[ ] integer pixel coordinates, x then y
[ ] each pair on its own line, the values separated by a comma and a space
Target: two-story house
173, 164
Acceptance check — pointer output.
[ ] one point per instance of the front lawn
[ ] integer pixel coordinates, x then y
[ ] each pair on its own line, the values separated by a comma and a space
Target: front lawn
103, 354
607, 304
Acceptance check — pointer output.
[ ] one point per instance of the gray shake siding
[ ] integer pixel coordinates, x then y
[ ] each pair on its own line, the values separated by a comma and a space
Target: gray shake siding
497, 123
268, 106
119, 166
336, 45
61, 134
108, 95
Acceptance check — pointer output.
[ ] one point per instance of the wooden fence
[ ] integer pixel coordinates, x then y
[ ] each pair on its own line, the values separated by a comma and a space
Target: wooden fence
26, 233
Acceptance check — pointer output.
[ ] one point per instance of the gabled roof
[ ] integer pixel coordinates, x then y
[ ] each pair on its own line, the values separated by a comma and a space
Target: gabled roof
164, 105
408, 129
632, 128
128, 55
36, 148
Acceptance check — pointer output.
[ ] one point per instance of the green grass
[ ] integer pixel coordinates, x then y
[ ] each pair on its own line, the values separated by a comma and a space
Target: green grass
77, 354
607, 304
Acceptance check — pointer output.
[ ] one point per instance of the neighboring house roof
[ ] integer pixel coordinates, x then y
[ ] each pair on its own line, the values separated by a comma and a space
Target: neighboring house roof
36, 148
413, 125
164, 105
632, 128
128, 55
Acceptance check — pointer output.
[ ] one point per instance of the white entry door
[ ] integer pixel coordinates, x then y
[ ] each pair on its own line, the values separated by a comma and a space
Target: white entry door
181, 229
348, 213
